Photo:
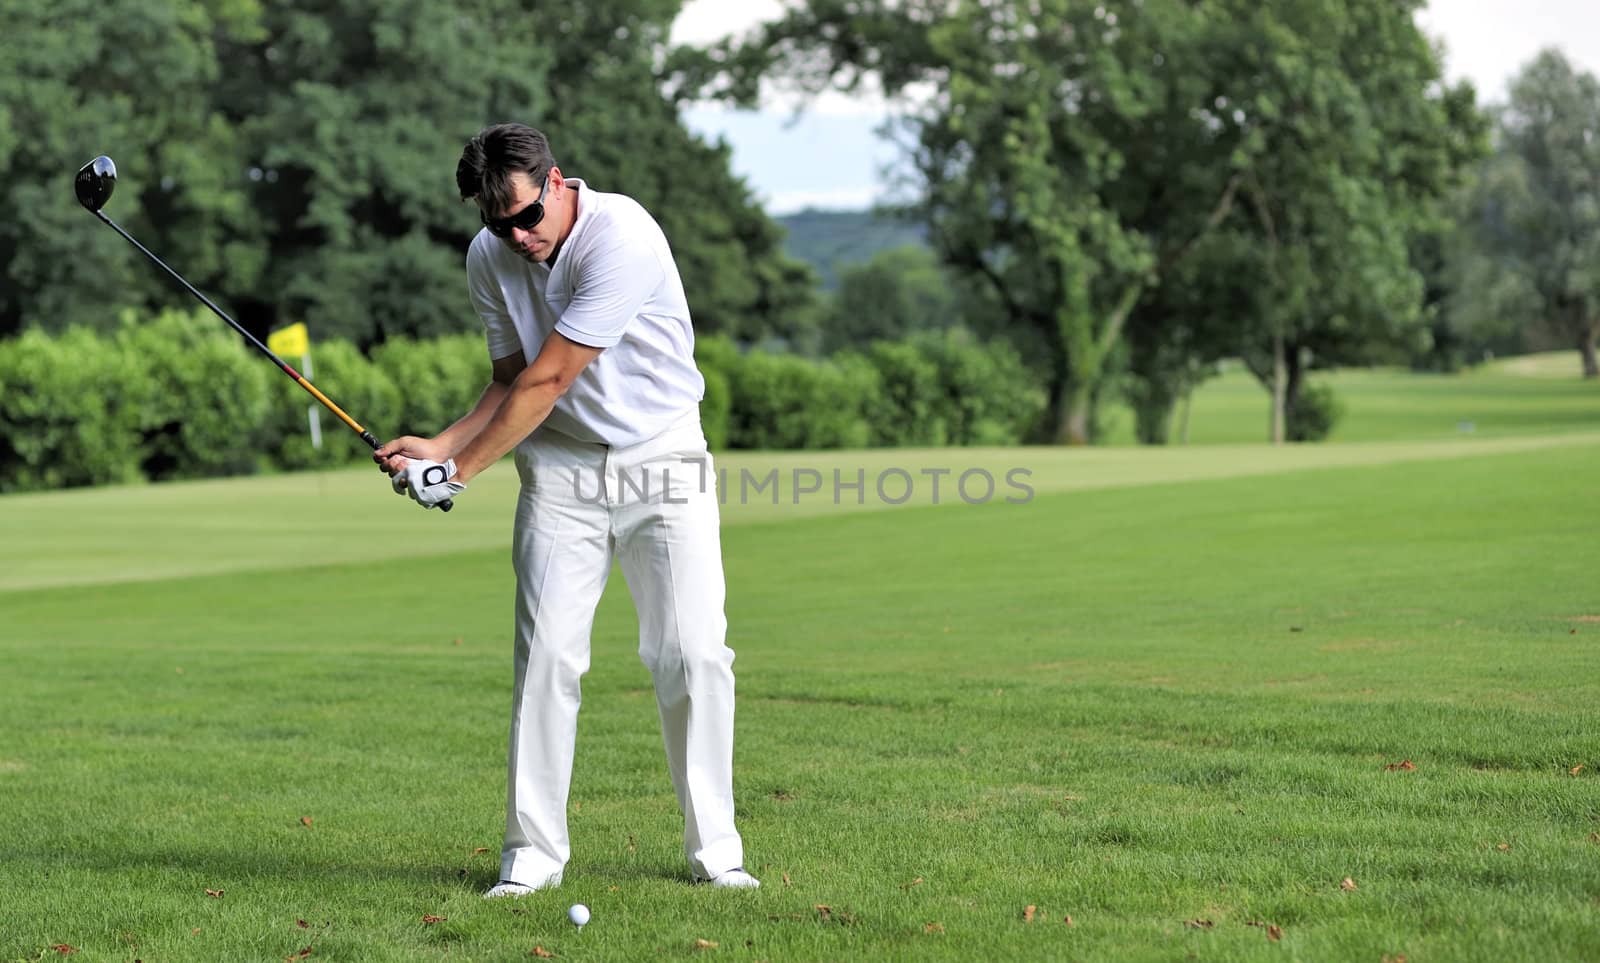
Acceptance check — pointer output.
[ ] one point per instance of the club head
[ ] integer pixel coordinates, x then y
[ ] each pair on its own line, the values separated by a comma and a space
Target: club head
95, 182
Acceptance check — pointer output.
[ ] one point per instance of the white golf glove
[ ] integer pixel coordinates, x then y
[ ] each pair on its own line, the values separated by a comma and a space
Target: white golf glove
428, 482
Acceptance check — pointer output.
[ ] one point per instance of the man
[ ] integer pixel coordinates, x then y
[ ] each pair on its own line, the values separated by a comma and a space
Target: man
596, 390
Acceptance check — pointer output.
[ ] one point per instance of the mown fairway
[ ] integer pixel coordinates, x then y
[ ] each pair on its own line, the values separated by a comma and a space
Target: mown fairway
1162, 697
1533, 394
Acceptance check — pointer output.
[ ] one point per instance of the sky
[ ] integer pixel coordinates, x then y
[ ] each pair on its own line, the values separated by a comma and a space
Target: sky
828, 153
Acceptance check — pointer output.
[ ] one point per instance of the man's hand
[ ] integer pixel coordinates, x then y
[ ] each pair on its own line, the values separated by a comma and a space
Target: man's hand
394, 455
428, 482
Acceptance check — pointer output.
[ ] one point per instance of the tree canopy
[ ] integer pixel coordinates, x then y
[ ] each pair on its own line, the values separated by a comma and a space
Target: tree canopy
1078, 158
1529, 257
297, 162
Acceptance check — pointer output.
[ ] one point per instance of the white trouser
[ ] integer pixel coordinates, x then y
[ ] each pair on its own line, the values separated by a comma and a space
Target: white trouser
654, 506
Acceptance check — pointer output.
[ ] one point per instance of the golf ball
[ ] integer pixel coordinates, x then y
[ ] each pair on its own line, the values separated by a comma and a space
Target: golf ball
578, 914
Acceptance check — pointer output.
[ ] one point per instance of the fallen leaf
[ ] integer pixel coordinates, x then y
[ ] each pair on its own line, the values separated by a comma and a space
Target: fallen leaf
613, 889
542, 953
1594, 837
1068, 920
1199, 924
195, 931
480, 850
302, 924
786, 879
1028, 913
1274, 933
430, 919
457, 642
705, 944
214, 893
1404, 765
824, 910
1575, 769
1397, 958
1347, 884
298, 956
305, 820
933, 928
1504, 847
63, 948
915, 882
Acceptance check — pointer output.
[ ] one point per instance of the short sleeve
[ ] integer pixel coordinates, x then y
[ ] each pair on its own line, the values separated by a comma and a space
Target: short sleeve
617, 276
484, 289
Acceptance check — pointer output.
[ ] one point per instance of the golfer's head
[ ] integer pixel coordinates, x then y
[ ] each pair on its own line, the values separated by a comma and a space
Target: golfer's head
523, 199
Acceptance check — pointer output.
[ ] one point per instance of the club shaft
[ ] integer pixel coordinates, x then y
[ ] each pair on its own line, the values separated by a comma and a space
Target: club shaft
255, 342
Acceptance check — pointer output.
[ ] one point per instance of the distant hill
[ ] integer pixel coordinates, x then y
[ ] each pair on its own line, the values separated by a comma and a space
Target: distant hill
830, 240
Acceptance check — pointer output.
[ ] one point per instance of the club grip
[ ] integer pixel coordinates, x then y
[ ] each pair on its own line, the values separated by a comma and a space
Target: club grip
374, 443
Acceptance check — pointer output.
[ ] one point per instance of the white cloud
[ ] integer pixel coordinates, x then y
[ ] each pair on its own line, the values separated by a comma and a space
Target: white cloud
1489, 41
707, 21
704, 22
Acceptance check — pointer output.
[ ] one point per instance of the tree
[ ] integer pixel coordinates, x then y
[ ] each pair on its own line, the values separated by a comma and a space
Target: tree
295, 162
1348, 147
399, 85
132, 78
1073, 156
1023, 154
1360, 144
352, 116
1529, 256
900, 291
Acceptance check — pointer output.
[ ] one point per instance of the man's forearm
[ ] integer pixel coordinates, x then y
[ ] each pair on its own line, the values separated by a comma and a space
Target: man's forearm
522, 408
467, 427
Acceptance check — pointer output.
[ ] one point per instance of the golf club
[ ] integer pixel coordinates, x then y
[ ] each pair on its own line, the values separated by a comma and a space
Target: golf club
94, 184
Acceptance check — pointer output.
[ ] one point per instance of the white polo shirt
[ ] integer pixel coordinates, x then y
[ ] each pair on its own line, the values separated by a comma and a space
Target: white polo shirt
614, 286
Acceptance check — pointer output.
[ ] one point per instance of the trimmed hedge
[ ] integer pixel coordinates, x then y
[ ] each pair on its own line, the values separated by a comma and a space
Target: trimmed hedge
351, 382
439, 381
987, 395
199, 395
937, 388
65, 418
179, 396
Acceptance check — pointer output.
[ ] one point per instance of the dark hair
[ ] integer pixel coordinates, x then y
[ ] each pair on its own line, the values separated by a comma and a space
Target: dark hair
493, 155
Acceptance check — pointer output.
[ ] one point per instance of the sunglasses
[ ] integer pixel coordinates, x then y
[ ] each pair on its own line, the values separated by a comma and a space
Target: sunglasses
524, 220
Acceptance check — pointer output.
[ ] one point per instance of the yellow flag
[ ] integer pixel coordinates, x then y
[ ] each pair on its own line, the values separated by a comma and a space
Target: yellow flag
292, 340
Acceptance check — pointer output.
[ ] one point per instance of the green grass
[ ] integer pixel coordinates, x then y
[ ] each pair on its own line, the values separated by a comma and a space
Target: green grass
1511, 397
1166, 689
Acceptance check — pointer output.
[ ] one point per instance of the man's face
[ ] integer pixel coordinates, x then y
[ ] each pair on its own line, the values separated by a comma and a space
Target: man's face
532, 244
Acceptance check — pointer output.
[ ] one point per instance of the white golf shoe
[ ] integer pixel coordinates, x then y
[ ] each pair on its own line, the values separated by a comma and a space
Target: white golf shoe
512, 890
734, 879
